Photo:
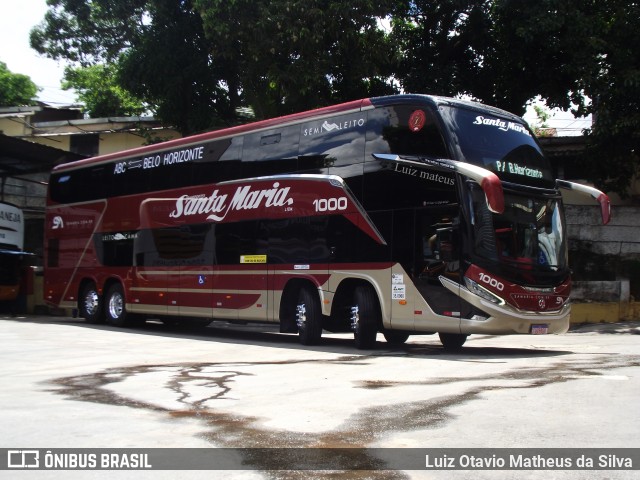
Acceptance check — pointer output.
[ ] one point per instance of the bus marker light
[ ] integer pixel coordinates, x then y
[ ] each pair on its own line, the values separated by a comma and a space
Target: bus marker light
417, 312
402, 302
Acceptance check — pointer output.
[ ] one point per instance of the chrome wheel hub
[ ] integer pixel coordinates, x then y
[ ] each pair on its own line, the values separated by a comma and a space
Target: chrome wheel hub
91, 302
301, 315
115, 306
355, 317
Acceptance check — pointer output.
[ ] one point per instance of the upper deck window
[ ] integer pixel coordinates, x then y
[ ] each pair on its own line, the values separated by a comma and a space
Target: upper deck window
394, 130
501, 145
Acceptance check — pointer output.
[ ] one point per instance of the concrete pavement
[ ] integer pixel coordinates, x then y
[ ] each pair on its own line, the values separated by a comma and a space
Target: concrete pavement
68, 384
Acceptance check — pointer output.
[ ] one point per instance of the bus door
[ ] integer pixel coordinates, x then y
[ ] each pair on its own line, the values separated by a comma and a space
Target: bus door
437, 254
193, 293
149, 286
240, 281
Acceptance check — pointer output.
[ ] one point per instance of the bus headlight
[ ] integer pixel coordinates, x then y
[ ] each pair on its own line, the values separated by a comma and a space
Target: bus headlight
479, 290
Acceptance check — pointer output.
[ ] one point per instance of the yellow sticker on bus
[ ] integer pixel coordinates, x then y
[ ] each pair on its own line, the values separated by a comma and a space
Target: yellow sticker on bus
253, 259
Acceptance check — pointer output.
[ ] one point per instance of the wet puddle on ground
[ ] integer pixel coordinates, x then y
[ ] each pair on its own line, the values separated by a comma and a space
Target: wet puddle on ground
195, 390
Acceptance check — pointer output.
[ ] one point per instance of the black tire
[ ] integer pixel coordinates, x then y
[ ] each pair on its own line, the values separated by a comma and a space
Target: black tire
395, 338
452, 342
114, 307
197, 323
90, 304
308, 317
365, 317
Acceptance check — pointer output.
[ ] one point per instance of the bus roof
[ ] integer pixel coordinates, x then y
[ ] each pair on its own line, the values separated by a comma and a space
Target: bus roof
352, 106
355, 105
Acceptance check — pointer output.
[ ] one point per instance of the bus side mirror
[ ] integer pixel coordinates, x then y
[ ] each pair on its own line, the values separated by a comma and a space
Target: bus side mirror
600, 197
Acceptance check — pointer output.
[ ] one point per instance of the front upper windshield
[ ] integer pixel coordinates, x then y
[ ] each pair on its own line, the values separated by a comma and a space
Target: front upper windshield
502, 145
530, 234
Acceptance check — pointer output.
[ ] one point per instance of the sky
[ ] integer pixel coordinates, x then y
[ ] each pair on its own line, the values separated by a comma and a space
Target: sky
18, 17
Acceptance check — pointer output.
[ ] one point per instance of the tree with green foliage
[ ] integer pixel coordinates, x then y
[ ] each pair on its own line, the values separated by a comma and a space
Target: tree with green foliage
16, 89
579, 55
441, 45
502, 52
158, 47
170, 67
613, 144
273, 57
291, 55
99, 91
86, 32
194, 62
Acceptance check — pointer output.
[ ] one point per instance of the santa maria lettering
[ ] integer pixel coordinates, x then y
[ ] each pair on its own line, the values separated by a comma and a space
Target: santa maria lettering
501, 125
217, 205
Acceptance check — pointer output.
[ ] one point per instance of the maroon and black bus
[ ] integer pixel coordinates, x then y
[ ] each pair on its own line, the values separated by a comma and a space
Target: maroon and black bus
407, 214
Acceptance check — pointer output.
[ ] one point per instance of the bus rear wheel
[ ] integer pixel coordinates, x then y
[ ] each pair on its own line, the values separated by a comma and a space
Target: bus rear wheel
115, 309
452, 341
308, 317
365, 317
90, 304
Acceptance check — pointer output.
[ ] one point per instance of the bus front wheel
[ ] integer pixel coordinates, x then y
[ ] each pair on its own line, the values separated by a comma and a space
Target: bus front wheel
90, 304
395, 338
308, 317
365, 317
452, 341
115, 310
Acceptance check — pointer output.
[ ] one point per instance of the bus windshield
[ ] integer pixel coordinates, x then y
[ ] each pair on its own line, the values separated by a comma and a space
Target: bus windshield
503, 146
529, 235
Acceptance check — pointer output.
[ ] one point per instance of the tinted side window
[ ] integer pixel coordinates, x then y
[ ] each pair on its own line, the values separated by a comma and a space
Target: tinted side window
219, 163
271, 152
115, 249
80, 185
186, 245
297, 240
240, 238
389, 131
333, 143
350, 244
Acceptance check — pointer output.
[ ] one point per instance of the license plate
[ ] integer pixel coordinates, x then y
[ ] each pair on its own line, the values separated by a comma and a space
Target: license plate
539, 329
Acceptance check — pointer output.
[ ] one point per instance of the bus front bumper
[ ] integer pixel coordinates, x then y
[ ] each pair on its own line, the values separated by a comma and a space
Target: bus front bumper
504, 319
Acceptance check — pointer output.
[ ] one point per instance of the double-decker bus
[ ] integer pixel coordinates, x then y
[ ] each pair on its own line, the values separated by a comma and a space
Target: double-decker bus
407, 214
